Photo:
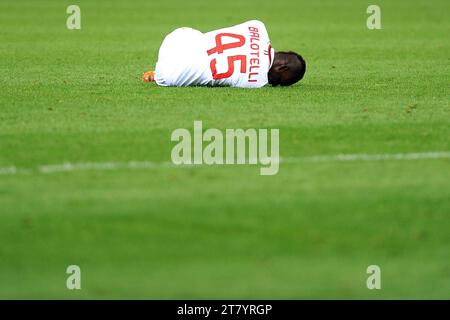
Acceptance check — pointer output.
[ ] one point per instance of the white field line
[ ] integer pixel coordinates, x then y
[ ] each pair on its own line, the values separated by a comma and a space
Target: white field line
130, 165
372, 157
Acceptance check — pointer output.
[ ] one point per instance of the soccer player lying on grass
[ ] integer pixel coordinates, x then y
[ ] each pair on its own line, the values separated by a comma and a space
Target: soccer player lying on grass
239, 56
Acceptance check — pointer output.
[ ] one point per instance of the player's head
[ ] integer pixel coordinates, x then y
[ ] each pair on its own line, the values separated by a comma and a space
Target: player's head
287, 69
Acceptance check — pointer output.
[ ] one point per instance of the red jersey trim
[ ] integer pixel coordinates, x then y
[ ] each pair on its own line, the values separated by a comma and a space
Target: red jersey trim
270, 55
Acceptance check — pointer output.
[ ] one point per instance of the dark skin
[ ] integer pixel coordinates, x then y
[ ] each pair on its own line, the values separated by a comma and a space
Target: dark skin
287, 69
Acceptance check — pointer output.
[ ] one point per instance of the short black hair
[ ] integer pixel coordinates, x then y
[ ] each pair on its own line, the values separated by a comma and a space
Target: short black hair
297, 68
288, 68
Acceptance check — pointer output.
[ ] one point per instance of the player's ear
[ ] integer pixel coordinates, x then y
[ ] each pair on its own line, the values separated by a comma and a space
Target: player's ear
281, 68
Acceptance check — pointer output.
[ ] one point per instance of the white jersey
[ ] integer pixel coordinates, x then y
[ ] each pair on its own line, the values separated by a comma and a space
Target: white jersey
239, 56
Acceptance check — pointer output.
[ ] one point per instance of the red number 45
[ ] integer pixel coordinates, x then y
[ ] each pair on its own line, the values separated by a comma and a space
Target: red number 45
220, 48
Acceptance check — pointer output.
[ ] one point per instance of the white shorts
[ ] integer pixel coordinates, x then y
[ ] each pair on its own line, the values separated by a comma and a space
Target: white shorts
180, 48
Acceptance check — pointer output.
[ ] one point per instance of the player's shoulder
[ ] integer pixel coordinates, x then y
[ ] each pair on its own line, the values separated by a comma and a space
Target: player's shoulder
257, 25
255, 22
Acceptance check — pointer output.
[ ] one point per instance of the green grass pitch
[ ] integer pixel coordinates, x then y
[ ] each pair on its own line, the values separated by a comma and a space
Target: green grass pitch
224, 231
